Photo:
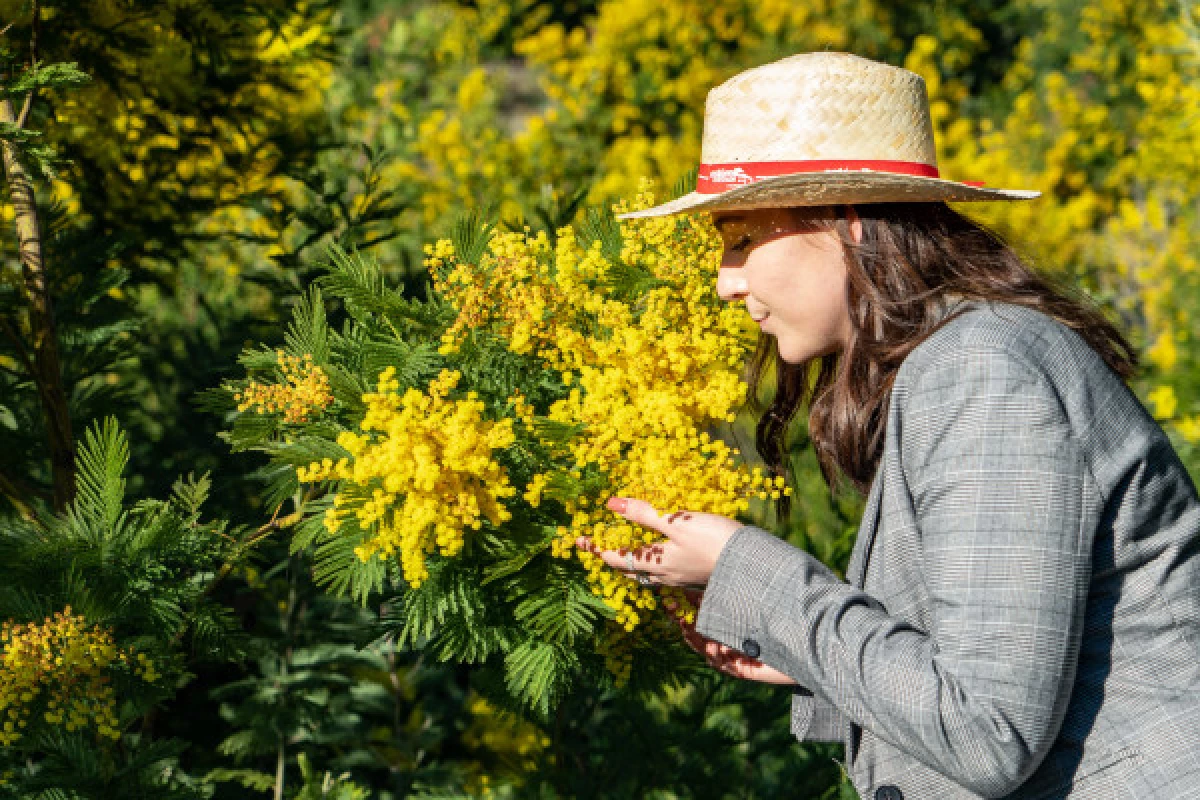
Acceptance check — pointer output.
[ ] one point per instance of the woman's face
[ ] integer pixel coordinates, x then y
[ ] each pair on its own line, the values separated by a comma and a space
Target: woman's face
792, 280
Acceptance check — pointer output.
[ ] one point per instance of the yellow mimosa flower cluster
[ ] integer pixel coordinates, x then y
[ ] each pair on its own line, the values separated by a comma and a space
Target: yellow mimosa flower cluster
304, 392
522, 409
420, 474
537, 485
650, 371
503, 734
66, 660
617, 650
515, 269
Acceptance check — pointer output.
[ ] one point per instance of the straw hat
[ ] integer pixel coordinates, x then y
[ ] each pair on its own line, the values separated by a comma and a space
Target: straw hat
820, 129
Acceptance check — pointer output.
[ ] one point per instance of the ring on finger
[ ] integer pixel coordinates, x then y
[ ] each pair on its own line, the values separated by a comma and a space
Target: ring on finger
644, 579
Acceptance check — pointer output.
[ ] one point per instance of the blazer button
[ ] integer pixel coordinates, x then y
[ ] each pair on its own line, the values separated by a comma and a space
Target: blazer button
888, 793
751, 649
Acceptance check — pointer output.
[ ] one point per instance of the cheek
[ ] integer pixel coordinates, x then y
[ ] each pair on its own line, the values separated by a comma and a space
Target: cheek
807, 298
803, 288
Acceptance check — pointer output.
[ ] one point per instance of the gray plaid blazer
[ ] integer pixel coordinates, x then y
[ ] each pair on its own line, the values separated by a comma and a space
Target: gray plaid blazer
1021, 616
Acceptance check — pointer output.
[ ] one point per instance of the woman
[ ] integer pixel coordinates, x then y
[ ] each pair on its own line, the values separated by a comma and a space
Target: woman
1020, 616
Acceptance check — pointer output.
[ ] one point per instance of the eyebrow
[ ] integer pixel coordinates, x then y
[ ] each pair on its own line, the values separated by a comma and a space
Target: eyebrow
724, 220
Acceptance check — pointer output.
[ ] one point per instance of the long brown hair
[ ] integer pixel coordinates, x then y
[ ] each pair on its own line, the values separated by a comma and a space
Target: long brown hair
912, 258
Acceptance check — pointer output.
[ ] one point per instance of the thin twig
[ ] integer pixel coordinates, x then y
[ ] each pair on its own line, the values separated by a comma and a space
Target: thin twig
27, 106
47, 373
226, 568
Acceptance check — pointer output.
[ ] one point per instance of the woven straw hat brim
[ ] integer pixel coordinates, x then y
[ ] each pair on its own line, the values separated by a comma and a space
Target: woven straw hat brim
832, 188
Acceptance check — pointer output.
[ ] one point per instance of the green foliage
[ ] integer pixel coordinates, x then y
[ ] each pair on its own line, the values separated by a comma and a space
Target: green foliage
143, 571
39, 158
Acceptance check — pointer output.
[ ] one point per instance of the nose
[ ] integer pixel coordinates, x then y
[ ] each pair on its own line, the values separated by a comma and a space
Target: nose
732, 284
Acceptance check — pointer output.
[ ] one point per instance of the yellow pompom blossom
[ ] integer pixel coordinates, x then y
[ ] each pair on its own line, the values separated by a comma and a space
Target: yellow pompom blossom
537, 485
494, 734
1164, 401
1189, 429
648, 372
617, 650
420, 473
522, 409
304, 392
61, 666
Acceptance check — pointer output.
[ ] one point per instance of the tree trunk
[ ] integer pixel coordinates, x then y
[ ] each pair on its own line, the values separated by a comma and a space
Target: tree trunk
47, 368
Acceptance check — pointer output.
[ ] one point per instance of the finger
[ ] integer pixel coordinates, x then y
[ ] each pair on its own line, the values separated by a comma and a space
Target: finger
642, 513
647, 560
728, 665
713, 649
585, 543
679, 515
693, 640
694, 646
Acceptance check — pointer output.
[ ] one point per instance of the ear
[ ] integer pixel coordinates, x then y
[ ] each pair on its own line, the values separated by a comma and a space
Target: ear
855, 223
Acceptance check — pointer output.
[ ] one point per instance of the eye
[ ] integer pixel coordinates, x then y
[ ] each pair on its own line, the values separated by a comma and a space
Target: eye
741, 245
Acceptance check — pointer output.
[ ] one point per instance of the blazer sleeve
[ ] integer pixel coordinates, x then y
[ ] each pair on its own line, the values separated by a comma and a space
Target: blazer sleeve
998, 486
815, 719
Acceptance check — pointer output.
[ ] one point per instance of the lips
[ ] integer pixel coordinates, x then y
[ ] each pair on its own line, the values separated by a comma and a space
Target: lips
759, 320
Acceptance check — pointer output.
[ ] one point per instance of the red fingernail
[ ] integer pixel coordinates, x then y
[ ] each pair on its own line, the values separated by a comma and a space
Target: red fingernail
617, 504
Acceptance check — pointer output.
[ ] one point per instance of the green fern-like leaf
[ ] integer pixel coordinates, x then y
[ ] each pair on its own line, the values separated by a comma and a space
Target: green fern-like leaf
251, 430
100, 485
415, 364
339, 569
538, 673
513, 564
562, 608
357, 279
263, 359
307, 448
44, 76
471, 234
686, 184
308, 332
347, 387
628, 282
601, 226
250, 779
188, 494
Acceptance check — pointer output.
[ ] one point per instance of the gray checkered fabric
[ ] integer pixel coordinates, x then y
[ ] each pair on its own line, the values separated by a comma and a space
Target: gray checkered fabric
1021, 615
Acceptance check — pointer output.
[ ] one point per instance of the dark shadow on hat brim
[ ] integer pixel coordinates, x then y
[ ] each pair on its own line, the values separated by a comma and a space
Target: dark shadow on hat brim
833, 188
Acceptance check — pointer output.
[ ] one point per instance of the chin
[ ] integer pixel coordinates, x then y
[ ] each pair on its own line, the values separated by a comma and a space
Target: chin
796, 353
795, 356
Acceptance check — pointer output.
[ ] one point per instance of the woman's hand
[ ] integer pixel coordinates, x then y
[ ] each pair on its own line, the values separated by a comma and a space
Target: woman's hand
694, 541
725, 659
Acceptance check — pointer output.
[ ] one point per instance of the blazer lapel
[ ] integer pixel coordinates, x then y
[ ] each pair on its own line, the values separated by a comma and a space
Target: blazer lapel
856, 570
